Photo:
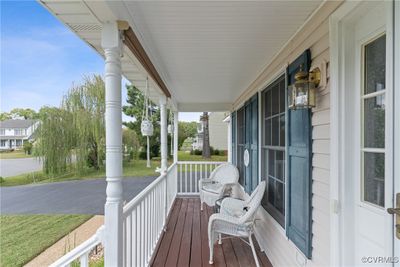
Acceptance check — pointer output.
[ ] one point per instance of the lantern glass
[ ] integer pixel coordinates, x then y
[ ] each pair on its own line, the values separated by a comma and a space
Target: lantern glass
301, 95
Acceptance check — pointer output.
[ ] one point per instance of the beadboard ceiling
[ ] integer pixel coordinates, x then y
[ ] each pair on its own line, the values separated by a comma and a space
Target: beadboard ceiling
206, 52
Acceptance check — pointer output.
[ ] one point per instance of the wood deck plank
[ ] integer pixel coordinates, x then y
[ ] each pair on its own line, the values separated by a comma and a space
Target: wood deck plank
205, 250
229, 253
173, 253
196, 253
219, 259
186, 241
165, 241
184, 251
243, 253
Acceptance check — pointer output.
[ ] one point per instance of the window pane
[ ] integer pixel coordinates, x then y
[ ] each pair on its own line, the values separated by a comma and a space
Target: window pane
275, 131
282, 130
267, 104
374, 178
280, 198
374, 122
275, 100
271, 163
271, 191
375, 65
267, 133
280, 165
282, 97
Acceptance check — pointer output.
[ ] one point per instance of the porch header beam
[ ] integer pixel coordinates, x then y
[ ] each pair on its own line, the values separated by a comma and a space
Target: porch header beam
132, 42
201, 107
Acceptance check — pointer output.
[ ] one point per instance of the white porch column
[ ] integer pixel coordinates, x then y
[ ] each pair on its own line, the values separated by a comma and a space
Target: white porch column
164, 133
111, 43
176, 127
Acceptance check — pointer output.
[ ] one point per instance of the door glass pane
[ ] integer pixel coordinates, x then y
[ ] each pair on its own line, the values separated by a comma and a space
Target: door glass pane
267, 133
375, 59
275, 131
275, 100
374, 122
374, 178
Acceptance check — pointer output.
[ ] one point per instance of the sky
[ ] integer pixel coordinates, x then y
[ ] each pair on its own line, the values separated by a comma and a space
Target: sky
41, 59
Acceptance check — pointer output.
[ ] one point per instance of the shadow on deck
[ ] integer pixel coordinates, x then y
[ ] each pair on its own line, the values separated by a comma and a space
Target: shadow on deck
185, 243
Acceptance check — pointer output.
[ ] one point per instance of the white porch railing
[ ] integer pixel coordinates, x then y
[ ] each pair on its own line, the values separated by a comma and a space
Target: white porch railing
144, 217
190, 172
81, 252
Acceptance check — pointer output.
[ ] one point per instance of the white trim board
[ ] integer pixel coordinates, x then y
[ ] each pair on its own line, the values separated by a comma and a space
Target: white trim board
337, 115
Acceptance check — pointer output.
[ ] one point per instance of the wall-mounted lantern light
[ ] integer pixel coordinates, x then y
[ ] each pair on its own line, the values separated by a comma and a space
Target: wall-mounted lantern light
302, 94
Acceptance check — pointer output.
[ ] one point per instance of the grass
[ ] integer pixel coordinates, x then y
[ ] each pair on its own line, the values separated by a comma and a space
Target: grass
183, 156
16, 154
23, 237
135, 168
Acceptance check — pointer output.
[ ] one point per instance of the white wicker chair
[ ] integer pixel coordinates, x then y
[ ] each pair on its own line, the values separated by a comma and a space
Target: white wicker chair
220, 182
236, 218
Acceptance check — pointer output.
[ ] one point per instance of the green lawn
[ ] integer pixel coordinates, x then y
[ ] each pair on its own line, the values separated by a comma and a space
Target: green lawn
16, 154
23, 237
183, 156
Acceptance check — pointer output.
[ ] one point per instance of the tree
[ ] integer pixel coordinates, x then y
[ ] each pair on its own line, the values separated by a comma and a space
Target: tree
185, 130
77, 127
55, 139
24, 113
130, 142
5, 116
134, 109
206, 136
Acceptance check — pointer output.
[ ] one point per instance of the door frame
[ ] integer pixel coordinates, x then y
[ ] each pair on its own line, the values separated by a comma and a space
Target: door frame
337, 43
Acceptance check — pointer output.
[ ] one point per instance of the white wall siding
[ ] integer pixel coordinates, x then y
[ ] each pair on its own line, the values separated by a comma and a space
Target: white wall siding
272, 237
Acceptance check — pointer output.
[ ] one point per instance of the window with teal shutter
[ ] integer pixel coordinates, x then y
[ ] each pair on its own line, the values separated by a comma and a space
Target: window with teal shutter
299, 155
233, 134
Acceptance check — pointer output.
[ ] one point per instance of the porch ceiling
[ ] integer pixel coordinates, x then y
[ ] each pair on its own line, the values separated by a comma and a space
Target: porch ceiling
207, 53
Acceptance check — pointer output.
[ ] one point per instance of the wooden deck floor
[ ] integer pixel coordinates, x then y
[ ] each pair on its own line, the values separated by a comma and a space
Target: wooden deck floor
185, 243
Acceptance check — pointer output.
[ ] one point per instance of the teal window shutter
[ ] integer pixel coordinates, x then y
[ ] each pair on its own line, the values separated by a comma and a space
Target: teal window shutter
233, 134
299, 156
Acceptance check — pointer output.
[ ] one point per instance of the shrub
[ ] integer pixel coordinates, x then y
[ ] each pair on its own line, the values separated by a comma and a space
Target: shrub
142, 155
1, 179
28, 147
217, 152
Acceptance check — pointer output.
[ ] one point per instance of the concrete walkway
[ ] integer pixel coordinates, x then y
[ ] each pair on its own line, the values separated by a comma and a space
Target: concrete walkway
77, 237
12, 167
70, 197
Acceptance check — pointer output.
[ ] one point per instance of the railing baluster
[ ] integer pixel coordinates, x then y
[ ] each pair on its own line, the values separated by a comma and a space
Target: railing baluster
186, 181
84, 260
190, 175
196, 181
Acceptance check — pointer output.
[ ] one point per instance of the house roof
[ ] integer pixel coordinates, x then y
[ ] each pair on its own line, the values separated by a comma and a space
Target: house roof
16, 123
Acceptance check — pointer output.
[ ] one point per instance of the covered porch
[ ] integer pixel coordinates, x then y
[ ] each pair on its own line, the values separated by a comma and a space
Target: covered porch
242, 57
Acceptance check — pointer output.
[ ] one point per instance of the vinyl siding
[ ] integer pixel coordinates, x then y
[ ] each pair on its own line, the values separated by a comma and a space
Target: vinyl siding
218, 131
272, 238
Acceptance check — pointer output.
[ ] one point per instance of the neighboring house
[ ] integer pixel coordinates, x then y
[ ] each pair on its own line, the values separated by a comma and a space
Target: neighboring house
13, 133
332, 170
217, 130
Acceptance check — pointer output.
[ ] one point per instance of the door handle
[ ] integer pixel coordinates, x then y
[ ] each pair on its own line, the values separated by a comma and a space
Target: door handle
394, 211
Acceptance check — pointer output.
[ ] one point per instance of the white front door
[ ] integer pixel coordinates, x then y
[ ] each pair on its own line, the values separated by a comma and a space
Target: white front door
368, 229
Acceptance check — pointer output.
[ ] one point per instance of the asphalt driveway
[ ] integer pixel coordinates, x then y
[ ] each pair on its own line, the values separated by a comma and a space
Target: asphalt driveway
12, 167
71, 197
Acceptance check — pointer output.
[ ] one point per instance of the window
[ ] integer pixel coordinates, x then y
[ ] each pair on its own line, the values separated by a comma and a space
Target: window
3, 143
273, 148
373, 130
18, 142
19, 132
2, 132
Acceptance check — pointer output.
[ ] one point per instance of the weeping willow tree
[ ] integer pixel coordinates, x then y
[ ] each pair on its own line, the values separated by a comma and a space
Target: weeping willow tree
76, 129
55, 139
